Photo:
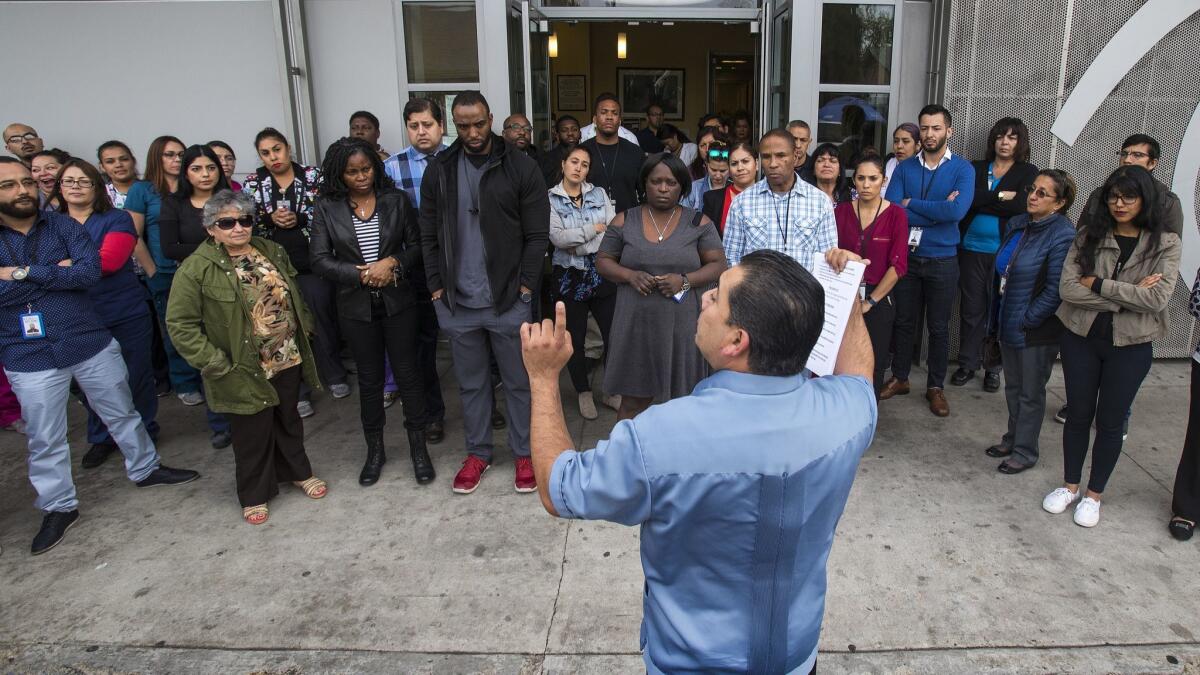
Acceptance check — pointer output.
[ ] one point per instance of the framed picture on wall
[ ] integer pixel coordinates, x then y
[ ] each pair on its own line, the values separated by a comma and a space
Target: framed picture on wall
572, 92
637, 88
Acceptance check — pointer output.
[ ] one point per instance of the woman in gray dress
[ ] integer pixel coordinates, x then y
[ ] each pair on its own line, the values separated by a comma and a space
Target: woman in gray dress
662, 256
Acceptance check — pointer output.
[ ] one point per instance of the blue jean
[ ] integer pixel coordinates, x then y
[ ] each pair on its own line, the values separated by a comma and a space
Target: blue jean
136, 338
44, 396
184, 378
931, 282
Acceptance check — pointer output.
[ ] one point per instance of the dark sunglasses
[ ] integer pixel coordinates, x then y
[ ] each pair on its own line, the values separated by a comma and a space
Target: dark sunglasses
718, 153
228, 223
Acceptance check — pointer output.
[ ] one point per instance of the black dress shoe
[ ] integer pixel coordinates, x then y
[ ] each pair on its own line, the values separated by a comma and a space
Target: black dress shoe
376, 458
435, 431
991, 382
165, 475
961, 377
1181, 529
221, 439
1010, 467
498, 421
96, 455
998, 451
54, 528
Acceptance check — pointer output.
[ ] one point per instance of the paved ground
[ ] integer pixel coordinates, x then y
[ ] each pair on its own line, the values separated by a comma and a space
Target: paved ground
941, 564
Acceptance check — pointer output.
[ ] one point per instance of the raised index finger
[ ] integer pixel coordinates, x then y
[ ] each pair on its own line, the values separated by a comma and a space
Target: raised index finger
560, 320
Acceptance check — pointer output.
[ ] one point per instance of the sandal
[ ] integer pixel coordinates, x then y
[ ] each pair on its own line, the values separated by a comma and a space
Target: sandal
1181, 529
255, 515
314, 487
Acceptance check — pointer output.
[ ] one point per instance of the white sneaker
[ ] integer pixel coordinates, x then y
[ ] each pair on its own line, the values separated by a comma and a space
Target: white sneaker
339, 390
1059, 500
305, 409
587, 406
1087, 514
191, 398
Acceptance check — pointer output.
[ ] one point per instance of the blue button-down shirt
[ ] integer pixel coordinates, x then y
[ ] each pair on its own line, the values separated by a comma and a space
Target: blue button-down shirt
73, 331
738, 489
406, 169
798, 223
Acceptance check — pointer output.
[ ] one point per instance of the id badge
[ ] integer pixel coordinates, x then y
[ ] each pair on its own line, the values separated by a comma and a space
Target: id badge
678, 297
862, 292
1003, 283
914, 237
32, 327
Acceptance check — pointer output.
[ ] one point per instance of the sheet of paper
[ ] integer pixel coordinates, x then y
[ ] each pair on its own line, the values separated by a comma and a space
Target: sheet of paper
841, 298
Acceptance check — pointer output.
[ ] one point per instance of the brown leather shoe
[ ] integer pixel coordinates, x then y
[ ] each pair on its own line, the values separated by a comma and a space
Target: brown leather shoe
937, 402
893, 387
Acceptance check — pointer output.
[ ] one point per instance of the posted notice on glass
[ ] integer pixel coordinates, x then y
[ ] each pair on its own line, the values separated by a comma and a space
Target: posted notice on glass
841, 298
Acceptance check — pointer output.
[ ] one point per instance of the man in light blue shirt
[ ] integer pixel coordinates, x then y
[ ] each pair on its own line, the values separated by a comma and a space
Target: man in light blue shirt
780, 212
738, 488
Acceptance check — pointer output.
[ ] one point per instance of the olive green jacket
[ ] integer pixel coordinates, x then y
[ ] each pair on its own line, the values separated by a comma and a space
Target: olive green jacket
209, 323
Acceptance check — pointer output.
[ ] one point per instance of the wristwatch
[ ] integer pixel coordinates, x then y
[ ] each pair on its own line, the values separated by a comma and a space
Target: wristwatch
871, 301
20, 273
687, 285
526, 297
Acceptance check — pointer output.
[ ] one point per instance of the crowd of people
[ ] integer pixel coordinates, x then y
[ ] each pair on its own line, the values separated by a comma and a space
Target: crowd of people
136, 282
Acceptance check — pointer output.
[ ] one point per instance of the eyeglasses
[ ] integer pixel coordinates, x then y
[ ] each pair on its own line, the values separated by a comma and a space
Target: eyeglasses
718, 153
76, 182
1041, 194
172, 155
30, 136
1133, 154
1123, 200
227, 223
519, 127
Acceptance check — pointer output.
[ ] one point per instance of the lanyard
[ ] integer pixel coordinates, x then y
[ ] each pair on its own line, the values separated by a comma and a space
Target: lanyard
787, 216
30, 246
864, 233
932, 177
473, 186
607, 171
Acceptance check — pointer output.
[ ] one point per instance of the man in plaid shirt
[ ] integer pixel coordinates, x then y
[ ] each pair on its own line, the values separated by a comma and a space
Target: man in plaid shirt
780, 212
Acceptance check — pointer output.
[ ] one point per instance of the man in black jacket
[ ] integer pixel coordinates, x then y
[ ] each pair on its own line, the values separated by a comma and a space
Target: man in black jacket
485, 222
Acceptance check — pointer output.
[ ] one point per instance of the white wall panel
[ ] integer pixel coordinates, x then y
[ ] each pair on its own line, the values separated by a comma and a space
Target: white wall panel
135, 70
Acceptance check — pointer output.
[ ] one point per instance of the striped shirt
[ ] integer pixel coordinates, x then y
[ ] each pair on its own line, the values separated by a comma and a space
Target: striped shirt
367, 232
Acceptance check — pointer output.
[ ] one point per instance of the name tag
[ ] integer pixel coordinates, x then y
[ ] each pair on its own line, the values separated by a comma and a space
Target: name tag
862, 292
914, 237
678, 297
32, 327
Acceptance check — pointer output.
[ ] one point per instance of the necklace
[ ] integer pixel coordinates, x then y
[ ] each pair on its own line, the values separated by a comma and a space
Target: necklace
654, 222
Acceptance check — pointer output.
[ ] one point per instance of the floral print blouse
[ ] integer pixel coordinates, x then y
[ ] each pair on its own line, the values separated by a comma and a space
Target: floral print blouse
271, 316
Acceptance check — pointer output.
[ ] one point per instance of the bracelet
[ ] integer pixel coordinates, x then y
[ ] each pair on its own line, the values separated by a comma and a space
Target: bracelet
871, 301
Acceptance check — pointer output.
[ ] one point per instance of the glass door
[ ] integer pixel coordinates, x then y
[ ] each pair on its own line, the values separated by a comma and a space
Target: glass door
529, 68
774, 63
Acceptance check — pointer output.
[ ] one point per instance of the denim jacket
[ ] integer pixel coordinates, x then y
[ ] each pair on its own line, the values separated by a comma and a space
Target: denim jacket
573, 229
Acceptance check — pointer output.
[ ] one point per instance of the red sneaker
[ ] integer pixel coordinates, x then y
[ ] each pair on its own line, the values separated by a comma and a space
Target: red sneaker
524, 480
468, 476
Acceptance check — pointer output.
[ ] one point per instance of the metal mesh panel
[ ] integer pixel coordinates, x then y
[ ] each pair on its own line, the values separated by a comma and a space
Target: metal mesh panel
1004, 62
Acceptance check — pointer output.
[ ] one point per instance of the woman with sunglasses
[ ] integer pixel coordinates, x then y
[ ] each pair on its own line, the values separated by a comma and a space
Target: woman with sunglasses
743, 172
1116, 282
717, 169
236, 314
181, 230
119, 298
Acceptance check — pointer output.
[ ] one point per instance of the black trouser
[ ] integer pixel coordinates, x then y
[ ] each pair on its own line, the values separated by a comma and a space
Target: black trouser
1102, 381
319, 295
427, 340
268, 446
879, 327
602, 305
975, 271
368, 340
929, 285
1186, 503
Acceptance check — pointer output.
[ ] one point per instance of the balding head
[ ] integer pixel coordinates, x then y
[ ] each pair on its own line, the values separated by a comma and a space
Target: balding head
517, 130
22, 141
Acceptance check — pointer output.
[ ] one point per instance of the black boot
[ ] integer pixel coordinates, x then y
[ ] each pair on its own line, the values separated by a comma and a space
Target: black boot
422, 464
375, 460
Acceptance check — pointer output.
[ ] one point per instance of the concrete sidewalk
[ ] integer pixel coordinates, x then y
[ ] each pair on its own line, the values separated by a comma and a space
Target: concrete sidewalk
941, 564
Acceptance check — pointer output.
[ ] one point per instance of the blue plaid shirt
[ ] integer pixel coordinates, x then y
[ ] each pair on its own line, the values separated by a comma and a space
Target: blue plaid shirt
407, 168
799, 223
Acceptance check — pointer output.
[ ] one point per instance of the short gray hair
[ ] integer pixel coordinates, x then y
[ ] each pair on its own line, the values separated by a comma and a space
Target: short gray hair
226, 199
